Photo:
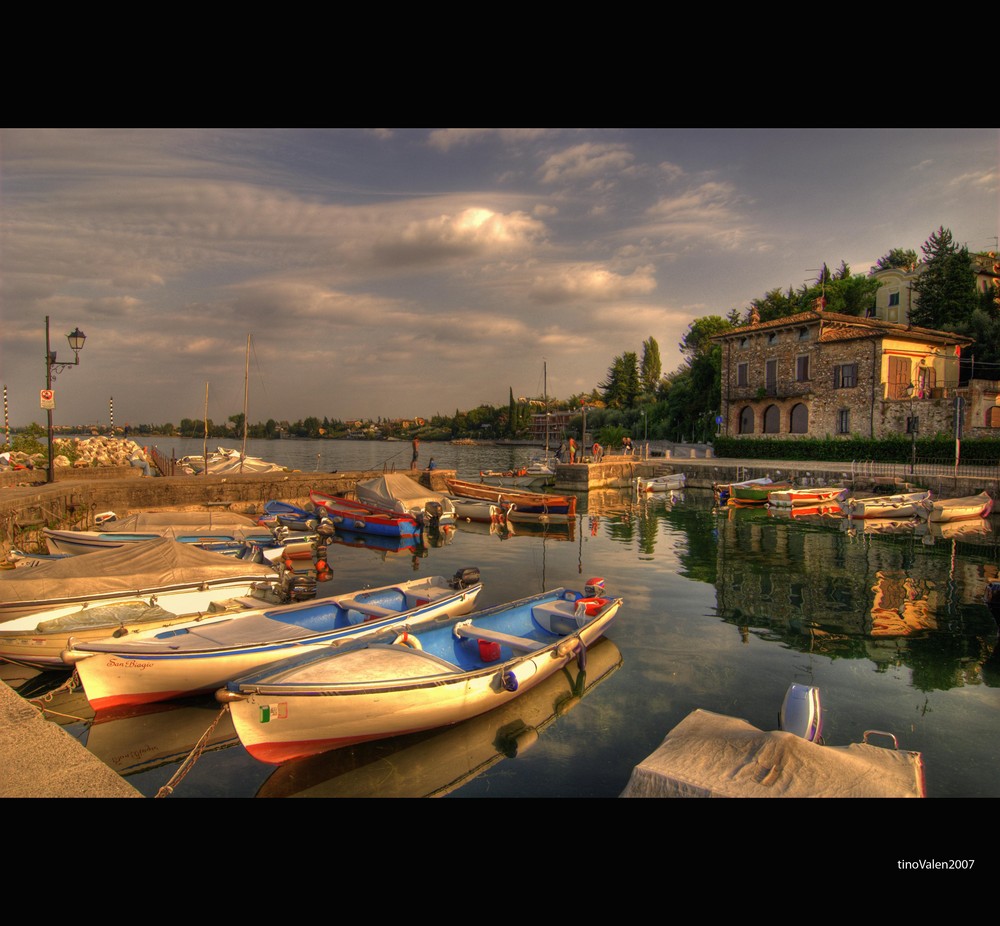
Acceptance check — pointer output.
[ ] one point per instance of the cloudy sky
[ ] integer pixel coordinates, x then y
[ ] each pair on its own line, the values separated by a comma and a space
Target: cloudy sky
403, 272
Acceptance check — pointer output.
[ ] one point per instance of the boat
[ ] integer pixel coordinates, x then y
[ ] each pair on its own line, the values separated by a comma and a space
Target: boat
421, 680
712, 755
199, 656
284, 514
755, 493
518, 506
955, 509
224, 461
807, 496
399, 493
668, 483
535, 474
158, 568
347, 514
476, 509
896, 507
435, 763
166, 591
724, 490
223, 532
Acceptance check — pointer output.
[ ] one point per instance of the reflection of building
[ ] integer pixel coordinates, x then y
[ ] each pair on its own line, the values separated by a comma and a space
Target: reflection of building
879, 597
821, 373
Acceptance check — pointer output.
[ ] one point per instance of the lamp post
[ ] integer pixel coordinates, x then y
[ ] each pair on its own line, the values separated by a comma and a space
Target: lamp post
645, 433
76, 340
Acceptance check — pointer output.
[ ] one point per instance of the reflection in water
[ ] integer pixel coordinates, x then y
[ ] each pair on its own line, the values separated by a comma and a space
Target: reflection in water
860, 591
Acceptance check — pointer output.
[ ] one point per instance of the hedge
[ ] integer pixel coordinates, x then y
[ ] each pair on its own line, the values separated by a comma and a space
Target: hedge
980, 451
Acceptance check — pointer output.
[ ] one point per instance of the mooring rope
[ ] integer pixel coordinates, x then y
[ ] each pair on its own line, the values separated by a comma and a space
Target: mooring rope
189, 762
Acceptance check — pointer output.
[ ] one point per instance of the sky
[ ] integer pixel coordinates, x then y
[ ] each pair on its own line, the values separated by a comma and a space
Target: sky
411, 272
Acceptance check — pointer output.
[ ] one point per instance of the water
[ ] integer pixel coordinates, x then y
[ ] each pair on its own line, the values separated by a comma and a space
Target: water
723, 610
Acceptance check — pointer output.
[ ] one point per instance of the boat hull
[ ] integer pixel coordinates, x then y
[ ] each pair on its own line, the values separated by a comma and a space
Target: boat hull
956, 509
386, 691
358, 517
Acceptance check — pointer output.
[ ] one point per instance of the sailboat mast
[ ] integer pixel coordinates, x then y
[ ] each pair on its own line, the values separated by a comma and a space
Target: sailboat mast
246, 397
545, 387
205, 444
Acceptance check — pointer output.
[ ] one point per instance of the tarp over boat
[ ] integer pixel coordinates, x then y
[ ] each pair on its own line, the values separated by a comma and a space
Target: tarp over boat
400, 493
144, 565
194, 522
711, 755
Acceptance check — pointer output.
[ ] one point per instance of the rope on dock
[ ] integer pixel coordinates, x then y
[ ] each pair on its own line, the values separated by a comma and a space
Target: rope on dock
189, 762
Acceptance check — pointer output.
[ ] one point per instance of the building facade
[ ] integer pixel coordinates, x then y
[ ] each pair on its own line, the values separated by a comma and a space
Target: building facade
821, 374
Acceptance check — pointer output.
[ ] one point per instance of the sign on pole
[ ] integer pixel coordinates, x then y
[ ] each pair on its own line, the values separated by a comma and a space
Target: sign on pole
48, 398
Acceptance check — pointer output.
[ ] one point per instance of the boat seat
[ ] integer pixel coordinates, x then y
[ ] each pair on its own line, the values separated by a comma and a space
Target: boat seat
469, 631
558, 617
366, 608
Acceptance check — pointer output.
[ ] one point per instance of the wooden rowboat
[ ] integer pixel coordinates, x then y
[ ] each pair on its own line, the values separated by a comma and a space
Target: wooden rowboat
519, 506
896, 507
956, 509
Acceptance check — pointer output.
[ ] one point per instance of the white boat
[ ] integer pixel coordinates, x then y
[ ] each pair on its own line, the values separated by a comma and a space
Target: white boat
956, 509
807, 496
222, 531
668, 483
225, 461
477, 509
420, 681
201, 655
399, 493
160, 568
896, 507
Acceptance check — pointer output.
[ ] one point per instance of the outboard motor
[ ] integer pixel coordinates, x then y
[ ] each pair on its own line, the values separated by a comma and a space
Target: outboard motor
594, 588
433, 512
801, 712
465, 578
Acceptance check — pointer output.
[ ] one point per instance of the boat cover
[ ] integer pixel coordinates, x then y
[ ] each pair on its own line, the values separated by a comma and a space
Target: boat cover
194, 522
711, 755
400, 493
143, 565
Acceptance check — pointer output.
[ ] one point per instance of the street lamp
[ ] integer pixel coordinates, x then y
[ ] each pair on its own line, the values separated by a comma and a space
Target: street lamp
76, 339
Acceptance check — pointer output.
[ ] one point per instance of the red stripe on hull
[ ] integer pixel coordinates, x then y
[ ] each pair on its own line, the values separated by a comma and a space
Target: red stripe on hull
145, 697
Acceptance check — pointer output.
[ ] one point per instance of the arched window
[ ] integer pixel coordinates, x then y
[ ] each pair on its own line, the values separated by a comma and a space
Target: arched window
772, 420
993, 416
746, 420
799, 419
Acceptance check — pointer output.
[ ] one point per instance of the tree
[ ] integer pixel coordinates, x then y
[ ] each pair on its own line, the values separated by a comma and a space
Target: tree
946, 290
651, 368
622, 386
896, 258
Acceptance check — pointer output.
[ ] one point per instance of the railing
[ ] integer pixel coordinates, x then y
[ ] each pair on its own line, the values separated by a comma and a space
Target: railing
925, 466
166, 465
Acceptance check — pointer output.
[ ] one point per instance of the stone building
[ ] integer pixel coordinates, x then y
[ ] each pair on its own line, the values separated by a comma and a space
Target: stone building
820, 374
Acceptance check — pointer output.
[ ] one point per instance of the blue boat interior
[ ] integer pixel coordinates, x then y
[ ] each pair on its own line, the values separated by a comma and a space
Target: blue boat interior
530, 627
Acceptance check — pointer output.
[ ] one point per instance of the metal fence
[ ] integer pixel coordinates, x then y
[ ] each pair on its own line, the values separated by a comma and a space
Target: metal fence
926, 466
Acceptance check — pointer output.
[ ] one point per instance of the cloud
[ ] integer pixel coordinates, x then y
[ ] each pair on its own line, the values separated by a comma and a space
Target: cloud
446, 139
473, 232
591, 283
585, 162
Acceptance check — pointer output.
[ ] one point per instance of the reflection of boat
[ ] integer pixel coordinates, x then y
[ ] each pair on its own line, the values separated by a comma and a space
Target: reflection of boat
814, 497
956, 509
425, 678
141, 738
666, 483
436, 763
971, 529
379, 542
798, 511
202, 655
711, 755
898, 506
877, 526
559, 530
399, 493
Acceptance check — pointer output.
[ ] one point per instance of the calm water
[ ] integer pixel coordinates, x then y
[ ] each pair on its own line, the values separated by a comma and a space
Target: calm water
723, 610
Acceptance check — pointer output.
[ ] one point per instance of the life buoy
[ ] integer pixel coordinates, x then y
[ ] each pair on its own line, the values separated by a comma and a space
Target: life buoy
405, 639
591, 606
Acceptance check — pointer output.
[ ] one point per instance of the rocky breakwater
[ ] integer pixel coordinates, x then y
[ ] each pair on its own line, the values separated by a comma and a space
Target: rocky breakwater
77, 454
